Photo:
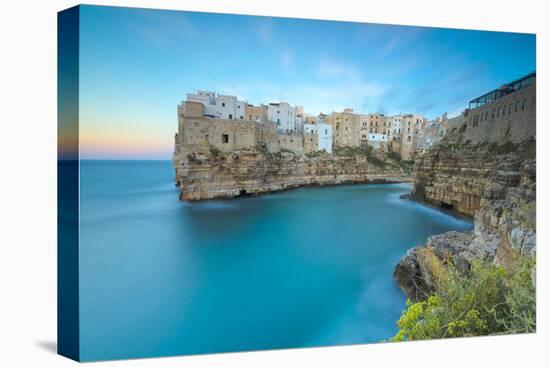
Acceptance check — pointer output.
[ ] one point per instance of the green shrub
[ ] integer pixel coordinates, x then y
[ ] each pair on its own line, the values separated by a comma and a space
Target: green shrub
215, 152
406, 165
394, 155
488, 300
376, 161
505, 148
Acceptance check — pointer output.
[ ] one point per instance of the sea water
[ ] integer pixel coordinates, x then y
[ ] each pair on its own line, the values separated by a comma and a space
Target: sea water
307, 267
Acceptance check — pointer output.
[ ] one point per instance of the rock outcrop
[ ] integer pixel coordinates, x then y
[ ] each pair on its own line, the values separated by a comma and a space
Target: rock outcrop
256, 171
494, 184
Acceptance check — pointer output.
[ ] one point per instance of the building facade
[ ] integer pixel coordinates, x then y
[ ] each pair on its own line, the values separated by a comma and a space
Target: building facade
219, 106
284, 115
504, 114
345, 127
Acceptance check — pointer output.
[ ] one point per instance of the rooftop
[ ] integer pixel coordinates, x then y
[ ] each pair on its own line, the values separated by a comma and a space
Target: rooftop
506, 89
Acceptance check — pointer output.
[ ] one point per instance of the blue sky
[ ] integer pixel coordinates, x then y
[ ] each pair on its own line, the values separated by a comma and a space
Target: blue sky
136, 65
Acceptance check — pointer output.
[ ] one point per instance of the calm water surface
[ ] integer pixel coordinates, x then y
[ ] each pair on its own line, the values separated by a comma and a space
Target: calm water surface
309, 267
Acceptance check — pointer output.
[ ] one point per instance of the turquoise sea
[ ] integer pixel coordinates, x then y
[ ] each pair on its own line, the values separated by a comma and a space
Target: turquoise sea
308, 267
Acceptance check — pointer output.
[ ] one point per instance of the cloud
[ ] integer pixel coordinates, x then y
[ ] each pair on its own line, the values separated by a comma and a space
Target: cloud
286, 59
329, 68
161, 28
264, 30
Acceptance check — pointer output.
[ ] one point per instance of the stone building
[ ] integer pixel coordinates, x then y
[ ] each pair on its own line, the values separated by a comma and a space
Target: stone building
412, 125
504, 114
345, 127
456, 122
291, 142
311, 141
198, 133
256, 113
218, 105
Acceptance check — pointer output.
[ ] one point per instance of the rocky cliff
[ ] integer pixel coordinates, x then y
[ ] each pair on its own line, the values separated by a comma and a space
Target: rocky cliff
496, 185
256, 171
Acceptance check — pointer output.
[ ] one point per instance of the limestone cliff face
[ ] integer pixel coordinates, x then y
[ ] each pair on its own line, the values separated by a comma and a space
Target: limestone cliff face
253, 172
494, 184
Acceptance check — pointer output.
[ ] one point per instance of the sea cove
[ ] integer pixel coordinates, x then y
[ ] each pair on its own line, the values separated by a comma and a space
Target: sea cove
306, 267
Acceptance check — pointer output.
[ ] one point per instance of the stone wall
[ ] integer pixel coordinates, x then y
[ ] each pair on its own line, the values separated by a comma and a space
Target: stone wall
510, 118
311, 142
201, 134
291, 142
267, 136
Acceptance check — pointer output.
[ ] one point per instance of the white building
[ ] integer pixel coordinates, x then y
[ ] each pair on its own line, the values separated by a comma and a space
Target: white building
284, 116
310, 128
324, 133
377, 137
395, 126
219, 106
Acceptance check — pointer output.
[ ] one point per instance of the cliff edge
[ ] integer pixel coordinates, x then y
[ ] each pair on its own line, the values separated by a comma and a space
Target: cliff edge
217, 175
496, 185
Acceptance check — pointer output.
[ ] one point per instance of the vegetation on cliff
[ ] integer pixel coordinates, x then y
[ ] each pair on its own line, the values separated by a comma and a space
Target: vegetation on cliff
488, 299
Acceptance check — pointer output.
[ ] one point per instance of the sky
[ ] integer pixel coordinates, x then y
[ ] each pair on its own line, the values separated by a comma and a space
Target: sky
137, 65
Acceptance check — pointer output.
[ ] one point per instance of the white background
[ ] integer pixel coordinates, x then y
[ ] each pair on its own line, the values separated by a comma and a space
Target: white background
28, 183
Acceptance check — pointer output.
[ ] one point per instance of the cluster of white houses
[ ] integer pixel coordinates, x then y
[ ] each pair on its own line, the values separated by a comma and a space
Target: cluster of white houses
207, 119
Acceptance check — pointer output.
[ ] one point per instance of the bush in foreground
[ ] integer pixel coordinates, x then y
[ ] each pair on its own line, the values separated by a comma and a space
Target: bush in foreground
489, 300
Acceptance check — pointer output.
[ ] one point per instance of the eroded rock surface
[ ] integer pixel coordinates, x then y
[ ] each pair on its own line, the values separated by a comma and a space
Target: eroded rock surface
496, 185
254, 172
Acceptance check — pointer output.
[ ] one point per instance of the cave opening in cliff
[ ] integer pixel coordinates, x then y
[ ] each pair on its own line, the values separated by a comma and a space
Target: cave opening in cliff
243, 193
446, 205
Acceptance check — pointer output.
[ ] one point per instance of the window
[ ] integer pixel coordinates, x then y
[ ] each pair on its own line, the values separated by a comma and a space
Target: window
486, 114
278, 111
230, 116
510, 108
524, 103
408, 138
242, 117
517, 104
498, 112
223, 104
239, 106
278, 122
225, 138
250, 117
504, 110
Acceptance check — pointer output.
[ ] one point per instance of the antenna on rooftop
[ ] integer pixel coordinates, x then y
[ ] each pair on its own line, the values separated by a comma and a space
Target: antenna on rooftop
215, 78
